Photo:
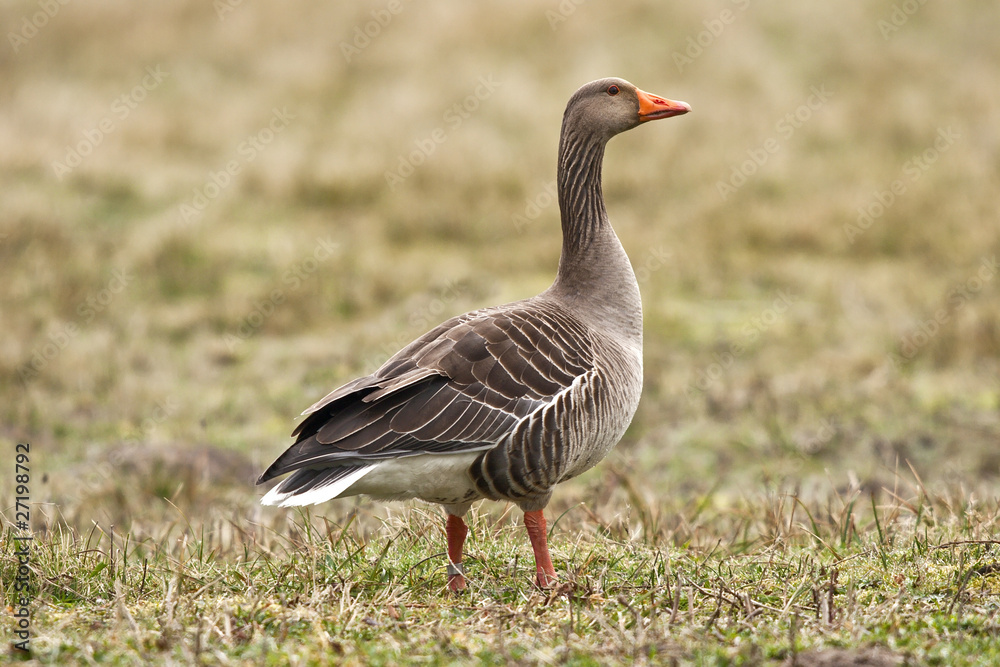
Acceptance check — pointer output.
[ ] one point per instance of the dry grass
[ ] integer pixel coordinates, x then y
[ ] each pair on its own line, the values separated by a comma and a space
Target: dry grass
807, 370
768, 578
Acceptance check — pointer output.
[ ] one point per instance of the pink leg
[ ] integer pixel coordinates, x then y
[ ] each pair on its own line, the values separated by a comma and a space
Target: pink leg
545, 574
456, 530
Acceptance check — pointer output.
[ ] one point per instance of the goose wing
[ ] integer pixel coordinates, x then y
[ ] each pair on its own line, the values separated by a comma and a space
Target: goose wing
461, 387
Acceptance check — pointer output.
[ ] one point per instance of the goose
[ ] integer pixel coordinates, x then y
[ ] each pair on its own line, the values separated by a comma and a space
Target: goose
500, 403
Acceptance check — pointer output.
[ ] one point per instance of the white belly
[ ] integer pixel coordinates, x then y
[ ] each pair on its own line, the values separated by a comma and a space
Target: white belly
438, 478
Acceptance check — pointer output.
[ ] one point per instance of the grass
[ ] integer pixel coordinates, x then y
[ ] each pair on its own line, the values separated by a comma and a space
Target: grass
814, 466
768, 578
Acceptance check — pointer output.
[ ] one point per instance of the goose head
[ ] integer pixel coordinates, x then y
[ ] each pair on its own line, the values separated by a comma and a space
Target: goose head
610, 106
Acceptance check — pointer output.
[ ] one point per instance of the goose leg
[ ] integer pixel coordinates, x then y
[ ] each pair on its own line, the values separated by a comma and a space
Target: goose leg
456, 530
545, 574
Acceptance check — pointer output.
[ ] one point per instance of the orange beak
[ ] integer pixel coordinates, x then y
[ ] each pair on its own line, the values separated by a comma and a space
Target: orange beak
652, 107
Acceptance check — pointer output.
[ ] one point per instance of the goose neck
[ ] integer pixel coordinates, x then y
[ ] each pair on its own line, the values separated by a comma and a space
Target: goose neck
581, 201
595, 276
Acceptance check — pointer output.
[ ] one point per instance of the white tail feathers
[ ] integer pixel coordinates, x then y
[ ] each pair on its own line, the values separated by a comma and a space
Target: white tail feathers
316, 494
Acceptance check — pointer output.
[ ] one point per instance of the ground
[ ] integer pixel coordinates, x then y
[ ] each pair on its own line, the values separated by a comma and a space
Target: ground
214, 213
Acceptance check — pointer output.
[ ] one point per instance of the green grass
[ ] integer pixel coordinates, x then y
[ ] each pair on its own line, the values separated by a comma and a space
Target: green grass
819, 397
696, 581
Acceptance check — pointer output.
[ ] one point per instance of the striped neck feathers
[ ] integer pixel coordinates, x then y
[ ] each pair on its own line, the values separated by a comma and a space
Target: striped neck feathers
594, 270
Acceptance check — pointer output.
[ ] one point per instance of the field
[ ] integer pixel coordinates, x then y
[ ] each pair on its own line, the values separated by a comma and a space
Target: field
214, 213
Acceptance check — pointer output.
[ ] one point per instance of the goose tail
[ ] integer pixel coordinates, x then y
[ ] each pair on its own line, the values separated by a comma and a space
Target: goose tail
311, 486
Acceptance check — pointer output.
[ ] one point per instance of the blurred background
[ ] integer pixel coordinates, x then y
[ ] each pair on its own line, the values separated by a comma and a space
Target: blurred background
214, 213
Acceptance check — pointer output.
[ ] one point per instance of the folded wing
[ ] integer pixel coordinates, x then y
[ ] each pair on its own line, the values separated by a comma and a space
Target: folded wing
461, 387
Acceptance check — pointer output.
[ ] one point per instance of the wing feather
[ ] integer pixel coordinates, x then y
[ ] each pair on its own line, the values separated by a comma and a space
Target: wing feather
463, 386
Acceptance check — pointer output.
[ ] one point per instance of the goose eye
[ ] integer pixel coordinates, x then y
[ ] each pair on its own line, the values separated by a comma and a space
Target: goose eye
612, 90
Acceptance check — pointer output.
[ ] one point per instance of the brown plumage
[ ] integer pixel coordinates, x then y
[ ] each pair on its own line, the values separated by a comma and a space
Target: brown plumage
504, 402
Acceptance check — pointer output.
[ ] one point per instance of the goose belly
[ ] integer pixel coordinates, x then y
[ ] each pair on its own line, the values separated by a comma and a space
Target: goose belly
436, 478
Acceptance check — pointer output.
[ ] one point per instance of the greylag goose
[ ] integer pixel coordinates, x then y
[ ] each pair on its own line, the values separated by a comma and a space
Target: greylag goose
505, 402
